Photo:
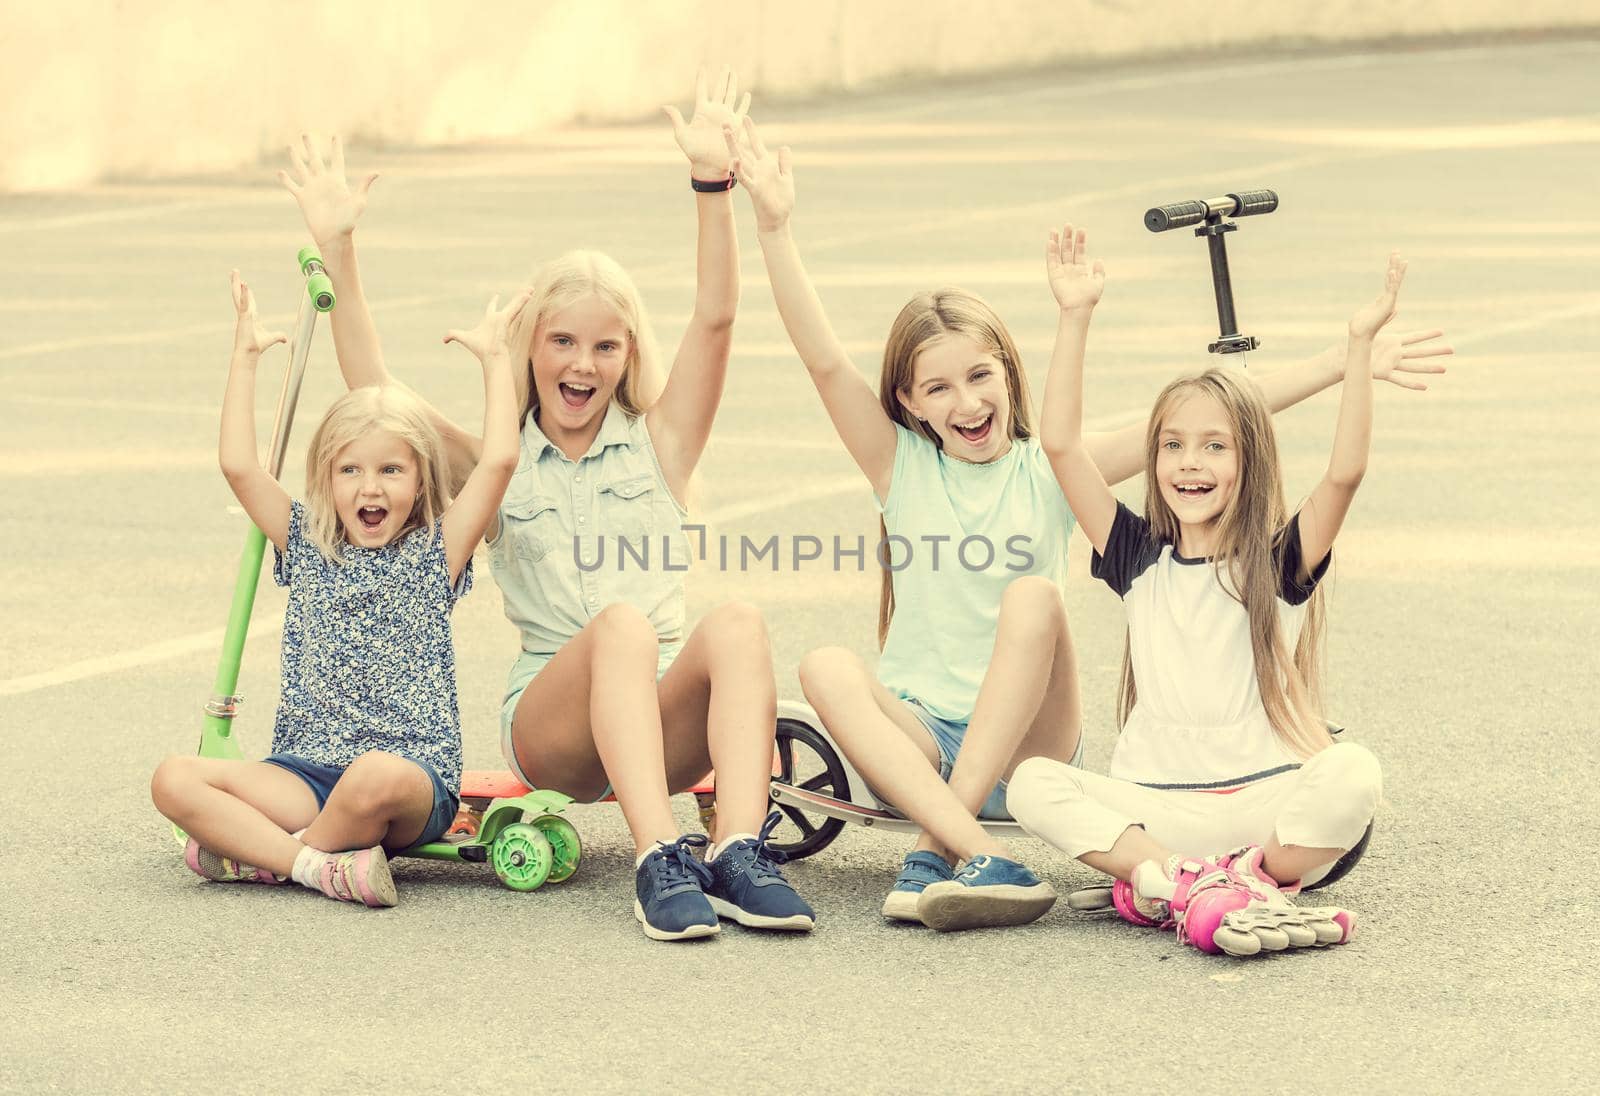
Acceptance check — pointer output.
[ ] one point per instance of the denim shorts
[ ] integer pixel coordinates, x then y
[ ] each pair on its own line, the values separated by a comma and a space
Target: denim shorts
948, 735
321, 779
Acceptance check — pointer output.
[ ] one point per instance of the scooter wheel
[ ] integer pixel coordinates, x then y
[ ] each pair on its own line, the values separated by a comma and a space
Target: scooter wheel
807, 760
521, 857
565, 847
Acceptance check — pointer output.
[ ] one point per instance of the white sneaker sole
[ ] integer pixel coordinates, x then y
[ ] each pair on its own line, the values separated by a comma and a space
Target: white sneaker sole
902, 906
797, 922
691, 933
951, 907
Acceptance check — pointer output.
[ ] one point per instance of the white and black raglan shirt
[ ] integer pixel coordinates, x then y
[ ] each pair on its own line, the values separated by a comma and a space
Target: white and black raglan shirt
1198, 723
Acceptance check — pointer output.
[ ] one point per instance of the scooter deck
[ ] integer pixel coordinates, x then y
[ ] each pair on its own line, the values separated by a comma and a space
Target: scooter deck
479, 786
873, 817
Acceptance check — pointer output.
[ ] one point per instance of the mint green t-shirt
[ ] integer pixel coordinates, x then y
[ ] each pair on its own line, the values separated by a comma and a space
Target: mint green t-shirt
965, 532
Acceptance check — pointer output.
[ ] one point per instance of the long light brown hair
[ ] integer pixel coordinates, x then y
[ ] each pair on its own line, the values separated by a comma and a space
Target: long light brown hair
926, 317
572, 276
1291, 686
358, 412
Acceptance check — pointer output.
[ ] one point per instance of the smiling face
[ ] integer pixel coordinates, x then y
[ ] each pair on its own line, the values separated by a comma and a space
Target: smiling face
376, 480
1197, 460
579, 356
959, 389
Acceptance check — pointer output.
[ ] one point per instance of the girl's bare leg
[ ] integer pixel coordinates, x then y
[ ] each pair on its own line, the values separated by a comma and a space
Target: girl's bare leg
245, 810
573, 737
891, 748
380, 799
719, 705
1028, 705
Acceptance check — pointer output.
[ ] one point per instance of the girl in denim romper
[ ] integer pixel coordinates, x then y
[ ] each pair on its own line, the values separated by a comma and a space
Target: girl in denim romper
612, 693
978, 673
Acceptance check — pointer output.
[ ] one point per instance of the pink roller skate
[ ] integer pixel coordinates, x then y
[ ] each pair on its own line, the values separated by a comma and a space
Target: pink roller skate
1239, 909
1147, 901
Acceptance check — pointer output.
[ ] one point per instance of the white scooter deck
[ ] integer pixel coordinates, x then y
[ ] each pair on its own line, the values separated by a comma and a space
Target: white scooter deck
813, 803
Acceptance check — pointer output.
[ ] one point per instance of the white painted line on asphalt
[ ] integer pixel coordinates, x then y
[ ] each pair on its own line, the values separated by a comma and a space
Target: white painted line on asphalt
1590, 307
139, 656
281, 321
76, 462
143, 407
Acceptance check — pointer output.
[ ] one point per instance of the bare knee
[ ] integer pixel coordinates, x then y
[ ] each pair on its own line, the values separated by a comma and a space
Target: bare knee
824, 671
1031, 609
623, 631
736, 630
377, 784
175, 778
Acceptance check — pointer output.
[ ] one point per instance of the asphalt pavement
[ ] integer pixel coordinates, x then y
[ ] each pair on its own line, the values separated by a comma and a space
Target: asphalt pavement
1463, 618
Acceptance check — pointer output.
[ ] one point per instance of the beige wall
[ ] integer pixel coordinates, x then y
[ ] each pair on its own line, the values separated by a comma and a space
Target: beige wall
147, 88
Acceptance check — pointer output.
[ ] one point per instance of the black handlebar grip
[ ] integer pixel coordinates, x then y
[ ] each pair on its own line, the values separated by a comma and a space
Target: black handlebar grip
1177, 215
1249, 203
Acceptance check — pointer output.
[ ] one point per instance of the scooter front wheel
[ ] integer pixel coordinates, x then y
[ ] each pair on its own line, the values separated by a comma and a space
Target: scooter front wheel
521, 857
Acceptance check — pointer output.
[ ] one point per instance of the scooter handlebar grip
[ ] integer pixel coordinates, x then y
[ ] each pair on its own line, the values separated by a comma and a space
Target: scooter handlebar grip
318, 285
1249, 203
1176, 215
320, 288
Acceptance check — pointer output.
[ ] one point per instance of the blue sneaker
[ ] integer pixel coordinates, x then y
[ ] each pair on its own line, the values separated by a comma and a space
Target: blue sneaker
987, 891
670, 902
920, 870
747, 886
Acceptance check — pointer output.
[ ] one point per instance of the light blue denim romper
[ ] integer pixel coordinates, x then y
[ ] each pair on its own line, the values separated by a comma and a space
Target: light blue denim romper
555, 508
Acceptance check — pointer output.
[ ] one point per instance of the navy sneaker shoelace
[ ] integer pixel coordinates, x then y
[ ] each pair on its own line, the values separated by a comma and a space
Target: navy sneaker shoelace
675, 865
766, 859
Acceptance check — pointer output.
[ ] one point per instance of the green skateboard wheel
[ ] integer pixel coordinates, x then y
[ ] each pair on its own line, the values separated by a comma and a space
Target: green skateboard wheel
565, 846
521, 857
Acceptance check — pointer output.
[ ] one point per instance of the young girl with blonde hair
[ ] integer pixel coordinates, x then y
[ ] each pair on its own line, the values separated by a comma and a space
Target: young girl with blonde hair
1222, 744
978, 669
366, 746
612, 692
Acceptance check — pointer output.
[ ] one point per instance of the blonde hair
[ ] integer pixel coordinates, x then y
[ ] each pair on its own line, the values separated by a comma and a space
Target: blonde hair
571, 277
1290, 686
357, 413
925, 318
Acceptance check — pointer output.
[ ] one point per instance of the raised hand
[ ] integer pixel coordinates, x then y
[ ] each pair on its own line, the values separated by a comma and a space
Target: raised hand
1394, 357
328, 204
1368, 321
490, 338
248, 334
701, 136
1075, 283
768, 178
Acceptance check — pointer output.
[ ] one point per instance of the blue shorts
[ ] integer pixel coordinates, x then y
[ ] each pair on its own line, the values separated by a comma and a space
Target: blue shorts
321, 779
948, 735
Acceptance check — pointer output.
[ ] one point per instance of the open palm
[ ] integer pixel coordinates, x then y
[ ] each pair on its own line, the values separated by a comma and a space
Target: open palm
715, 106
1075, 283
329, 205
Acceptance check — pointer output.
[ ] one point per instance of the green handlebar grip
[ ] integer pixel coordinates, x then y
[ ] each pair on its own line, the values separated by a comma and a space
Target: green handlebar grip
318, 284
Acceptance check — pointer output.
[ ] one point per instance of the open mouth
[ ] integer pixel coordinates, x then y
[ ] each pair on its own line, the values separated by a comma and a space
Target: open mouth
975, 433
372, 517
1193, 491
576, 396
